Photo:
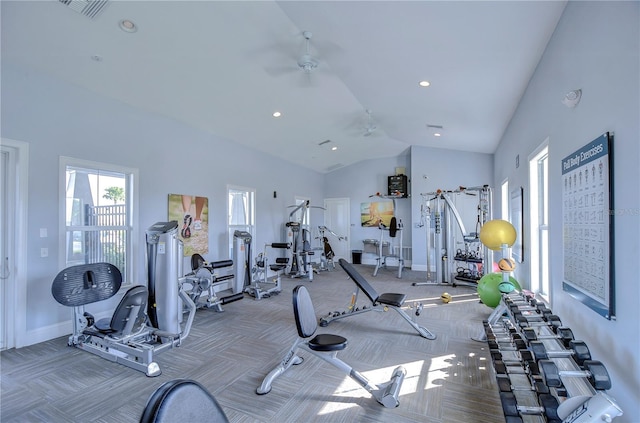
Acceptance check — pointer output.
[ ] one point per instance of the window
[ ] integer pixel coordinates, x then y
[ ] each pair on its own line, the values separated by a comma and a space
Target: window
98, 203
539, 182
241, 213
504, 198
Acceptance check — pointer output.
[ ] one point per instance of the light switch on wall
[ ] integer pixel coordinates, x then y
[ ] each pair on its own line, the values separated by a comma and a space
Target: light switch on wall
43, 232
44, 252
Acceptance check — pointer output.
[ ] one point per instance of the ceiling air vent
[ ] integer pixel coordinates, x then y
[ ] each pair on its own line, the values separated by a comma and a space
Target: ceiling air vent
88, 8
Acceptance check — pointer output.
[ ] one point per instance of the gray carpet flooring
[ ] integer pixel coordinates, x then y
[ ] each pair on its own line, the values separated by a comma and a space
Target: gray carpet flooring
449, 379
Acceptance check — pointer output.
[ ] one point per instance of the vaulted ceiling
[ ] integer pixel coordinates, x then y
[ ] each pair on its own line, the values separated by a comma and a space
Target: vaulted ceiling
226, 66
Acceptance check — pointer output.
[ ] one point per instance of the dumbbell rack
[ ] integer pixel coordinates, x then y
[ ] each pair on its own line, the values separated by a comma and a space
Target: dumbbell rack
544, 375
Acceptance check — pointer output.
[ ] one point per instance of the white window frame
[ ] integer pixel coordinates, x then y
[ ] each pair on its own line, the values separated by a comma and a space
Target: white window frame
131, 201
249, 227
504, 198
539, 225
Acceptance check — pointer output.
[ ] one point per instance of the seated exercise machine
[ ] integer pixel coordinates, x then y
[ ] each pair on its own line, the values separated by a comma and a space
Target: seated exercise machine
204, 283
326, 347
263, 283
147, 321
386, 300
127, 337
326, 259
394, 229
182, 400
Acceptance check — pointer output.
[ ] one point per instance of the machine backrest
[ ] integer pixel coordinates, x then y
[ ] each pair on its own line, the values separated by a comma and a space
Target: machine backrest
196, 261
86, 283
122, 322
306, 320
182, 400
359, 280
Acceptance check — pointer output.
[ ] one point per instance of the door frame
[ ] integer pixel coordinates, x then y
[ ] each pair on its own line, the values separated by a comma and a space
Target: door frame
15, 312
347, 219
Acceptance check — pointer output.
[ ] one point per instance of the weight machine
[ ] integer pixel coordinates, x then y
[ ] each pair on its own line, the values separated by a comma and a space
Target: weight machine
297, 234
326, 259
440, 217
147, 321
205, 283
395, 230
263, 283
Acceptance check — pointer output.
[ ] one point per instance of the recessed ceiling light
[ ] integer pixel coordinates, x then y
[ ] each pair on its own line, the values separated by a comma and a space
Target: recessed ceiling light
424, 83
334, 148
277, 114
127, 25
436, 134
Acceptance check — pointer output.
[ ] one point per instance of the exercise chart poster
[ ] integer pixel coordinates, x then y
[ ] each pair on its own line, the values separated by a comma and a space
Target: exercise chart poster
587, 225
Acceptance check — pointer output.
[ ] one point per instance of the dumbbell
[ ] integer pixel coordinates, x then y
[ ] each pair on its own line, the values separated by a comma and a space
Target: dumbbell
535, 319
563, 334
577, 349
595, 372
548, 405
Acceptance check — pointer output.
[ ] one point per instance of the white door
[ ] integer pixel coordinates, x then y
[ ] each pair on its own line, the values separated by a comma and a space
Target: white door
13, 186
337, 219
7, 170
4, 271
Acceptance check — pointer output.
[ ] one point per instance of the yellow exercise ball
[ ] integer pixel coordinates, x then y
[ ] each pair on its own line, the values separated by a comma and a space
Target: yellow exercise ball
445, 297
496, 232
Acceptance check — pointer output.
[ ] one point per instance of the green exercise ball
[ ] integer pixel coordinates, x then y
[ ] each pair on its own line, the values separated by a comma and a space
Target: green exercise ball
488, 290
496, 232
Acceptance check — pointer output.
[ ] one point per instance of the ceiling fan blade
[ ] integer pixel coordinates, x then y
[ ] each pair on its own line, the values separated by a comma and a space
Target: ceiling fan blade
281, 70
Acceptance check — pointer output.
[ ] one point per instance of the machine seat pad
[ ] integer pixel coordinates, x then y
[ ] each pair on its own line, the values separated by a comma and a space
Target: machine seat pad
104, 325
328, 342
391, 299
277, 267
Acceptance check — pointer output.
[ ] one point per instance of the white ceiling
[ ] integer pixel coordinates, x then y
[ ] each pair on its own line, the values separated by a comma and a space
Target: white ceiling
226, 66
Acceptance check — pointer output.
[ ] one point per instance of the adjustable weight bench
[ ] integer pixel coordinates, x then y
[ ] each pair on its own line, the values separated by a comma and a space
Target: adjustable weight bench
386, 300
326, 347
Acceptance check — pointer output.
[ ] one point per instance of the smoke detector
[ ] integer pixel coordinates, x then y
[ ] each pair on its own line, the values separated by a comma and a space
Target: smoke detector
572, 98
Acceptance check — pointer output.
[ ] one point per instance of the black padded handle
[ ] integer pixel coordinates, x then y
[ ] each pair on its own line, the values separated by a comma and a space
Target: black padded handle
281, 245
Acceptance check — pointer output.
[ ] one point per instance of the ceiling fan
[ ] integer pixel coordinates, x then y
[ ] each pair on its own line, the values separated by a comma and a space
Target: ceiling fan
370, 126
306, 62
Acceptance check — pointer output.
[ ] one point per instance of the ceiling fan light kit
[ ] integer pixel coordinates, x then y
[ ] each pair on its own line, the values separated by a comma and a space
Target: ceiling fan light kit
306, 62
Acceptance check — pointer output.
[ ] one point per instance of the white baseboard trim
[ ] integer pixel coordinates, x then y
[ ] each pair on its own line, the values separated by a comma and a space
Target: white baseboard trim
50, 332
47, 333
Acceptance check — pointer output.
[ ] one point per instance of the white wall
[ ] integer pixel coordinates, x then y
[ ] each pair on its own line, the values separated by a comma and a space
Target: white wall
57, 118
358, 182
596, 48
